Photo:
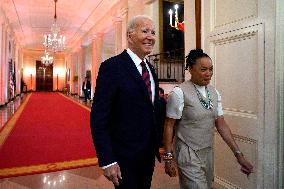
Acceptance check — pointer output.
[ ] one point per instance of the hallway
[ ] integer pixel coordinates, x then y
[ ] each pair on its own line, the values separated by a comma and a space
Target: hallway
52, 45
80, 178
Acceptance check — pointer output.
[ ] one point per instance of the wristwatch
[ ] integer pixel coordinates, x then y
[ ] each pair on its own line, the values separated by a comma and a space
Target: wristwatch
238, 152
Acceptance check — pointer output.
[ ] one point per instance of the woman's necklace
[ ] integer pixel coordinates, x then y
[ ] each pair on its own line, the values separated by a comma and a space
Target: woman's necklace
207, 105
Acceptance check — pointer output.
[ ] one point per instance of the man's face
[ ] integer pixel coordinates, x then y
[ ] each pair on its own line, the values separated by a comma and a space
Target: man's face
142, 39
161, 95
202, 71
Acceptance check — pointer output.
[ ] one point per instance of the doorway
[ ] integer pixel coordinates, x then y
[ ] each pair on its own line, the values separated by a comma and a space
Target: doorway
44, 77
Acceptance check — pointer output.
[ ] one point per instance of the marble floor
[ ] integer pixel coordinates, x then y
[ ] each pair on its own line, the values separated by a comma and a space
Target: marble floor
8, 110
81, 178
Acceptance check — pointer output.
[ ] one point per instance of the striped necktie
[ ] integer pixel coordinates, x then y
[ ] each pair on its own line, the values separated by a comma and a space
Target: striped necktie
146, 78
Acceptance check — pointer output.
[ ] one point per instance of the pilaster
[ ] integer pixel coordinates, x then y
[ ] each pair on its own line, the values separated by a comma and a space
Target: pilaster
17, 70
279, 64
118, 34
8, 53
2, 65
190, 29
81, 68
122, 20
72, 74
97, 43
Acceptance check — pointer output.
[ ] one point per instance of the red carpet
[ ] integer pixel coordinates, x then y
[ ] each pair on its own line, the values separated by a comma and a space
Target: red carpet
49, 132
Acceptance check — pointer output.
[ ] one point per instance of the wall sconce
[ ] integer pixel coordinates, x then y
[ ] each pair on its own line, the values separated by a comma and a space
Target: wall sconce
178, 25
58, 72
31, 82
56, 82
29, 73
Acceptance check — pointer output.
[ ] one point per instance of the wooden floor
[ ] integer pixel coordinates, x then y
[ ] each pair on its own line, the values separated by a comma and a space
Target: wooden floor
82, 178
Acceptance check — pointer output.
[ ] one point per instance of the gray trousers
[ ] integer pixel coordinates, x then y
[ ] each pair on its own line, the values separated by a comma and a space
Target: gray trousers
195, 167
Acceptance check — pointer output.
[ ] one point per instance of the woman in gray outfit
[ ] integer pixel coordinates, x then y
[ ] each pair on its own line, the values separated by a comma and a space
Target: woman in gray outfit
194, 109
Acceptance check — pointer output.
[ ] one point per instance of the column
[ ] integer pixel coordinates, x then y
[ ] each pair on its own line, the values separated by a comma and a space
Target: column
81, 68
118, 34
14, 62
17, 70
1, 65
124, 28
190, 29
96, 58
77, 71
6, 61
279, 82
123, 15
21, 64
4, 80
72, 73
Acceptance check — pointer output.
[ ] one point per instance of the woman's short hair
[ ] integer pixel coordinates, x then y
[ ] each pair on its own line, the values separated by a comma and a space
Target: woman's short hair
193, 55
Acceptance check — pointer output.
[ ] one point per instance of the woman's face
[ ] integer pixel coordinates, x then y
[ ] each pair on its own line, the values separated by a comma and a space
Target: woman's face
202, 71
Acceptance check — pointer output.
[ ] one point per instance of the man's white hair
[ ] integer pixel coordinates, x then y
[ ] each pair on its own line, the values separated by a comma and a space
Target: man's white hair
132, 23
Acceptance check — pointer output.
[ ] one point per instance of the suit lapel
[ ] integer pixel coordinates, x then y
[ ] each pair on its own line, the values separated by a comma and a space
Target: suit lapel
132, 70
152, 69
130, 67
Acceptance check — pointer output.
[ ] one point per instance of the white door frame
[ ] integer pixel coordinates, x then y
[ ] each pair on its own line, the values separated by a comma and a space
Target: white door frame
279, 63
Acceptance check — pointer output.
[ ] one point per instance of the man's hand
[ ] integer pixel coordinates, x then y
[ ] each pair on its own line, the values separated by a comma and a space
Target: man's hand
170, 169
113, 173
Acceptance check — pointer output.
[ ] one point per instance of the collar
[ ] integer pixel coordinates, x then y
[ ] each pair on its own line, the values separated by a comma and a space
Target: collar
134, 57
199, 87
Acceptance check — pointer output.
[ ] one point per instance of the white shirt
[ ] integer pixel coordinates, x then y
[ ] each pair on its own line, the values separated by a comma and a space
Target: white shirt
175, 102
85, 82
137, 61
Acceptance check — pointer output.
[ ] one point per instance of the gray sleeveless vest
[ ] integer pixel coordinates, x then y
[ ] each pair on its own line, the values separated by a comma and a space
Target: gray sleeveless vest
196, 126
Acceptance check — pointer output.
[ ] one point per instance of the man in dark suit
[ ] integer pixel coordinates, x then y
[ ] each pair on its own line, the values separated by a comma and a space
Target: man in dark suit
123, 115
86, 87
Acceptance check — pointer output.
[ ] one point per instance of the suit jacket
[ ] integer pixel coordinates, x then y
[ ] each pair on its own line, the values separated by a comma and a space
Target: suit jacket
88, 85
123, 119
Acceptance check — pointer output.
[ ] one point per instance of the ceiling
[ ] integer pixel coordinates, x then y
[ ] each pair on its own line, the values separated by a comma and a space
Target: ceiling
31, 19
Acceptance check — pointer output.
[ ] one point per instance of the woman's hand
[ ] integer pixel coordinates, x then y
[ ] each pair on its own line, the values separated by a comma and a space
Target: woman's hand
170, 169
246, 166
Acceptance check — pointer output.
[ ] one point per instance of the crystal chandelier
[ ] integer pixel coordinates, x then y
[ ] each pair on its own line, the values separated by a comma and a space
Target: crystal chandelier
46, 60
54, 41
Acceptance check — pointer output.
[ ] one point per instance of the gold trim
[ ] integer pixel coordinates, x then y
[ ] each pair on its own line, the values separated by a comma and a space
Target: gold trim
16, 171
83, 106
11, 123
223, 182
